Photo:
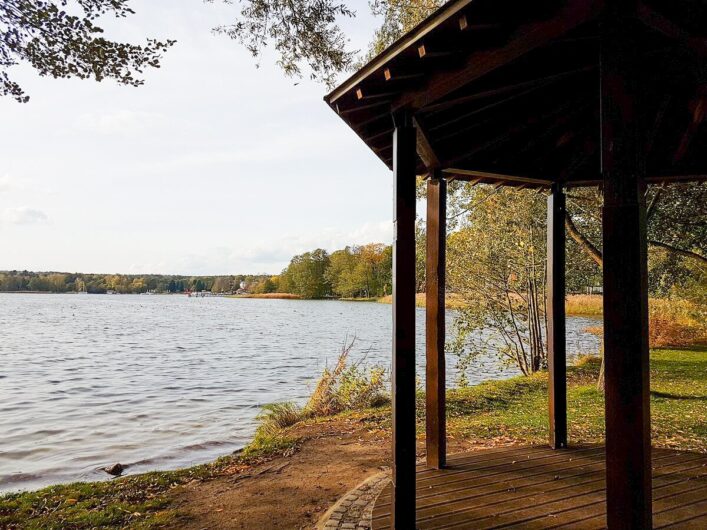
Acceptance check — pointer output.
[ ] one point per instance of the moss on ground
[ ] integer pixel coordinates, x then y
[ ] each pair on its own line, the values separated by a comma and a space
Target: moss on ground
499, 411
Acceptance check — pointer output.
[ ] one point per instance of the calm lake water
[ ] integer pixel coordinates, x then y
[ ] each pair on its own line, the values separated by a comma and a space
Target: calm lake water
160, 382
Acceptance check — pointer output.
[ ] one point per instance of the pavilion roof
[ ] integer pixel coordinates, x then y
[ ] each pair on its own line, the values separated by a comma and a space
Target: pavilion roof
507, 91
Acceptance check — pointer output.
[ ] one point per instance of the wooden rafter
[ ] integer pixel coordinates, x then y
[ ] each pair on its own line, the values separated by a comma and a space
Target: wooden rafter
416, 34
559, 114
658, 22
525, 38
525, 86
478, 176
424, 147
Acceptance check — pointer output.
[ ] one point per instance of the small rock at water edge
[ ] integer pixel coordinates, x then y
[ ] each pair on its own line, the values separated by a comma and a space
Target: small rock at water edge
116, 469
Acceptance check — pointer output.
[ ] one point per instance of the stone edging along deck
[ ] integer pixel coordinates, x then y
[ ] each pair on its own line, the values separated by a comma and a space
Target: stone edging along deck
355, 509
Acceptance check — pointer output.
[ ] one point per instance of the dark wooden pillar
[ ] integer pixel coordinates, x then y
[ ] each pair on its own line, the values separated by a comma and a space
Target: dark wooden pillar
403, 384
628, 444
556, 344
435, 321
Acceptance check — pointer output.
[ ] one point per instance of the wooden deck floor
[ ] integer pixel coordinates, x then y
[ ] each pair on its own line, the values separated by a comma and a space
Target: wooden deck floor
535, 487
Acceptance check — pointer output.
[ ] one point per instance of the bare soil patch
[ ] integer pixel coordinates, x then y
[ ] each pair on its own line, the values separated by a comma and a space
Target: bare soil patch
292, 491
289, 492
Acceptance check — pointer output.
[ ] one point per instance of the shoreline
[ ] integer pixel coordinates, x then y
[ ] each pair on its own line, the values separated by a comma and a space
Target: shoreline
266, 296
248, 486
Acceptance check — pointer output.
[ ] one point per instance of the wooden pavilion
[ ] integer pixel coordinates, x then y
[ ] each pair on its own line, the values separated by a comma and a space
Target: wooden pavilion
548, 94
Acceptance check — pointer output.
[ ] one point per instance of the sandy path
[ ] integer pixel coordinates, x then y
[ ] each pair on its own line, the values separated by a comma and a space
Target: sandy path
289, 492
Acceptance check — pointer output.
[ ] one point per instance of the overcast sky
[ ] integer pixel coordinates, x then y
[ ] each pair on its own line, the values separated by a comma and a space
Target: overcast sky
212, 167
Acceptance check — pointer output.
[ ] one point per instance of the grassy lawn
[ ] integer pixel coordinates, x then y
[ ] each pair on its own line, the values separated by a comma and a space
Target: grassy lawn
502, 412
517, 409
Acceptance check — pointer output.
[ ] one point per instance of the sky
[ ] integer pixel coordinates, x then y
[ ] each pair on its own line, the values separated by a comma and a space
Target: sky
213, 166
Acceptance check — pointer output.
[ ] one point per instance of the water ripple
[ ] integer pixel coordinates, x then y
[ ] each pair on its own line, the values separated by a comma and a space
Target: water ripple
168, 381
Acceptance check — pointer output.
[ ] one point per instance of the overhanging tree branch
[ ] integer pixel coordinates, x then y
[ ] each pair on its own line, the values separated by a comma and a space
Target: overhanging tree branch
686, 253
592, 251
59, 44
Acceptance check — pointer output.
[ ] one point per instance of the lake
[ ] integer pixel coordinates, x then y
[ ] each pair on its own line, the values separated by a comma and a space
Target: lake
161, 382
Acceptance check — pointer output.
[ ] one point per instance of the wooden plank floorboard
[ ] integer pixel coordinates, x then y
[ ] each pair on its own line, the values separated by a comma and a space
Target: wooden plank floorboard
585, 517
518, 495
596, 518
513, 483
539, 488
460, 474
461, 467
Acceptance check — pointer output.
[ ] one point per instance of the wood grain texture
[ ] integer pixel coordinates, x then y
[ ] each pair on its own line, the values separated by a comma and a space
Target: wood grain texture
536, 487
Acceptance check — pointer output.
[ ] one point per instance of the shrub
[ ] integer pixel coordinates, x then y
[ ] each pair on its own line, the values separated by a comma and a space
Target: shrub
345, 387
348, 387
676, 323
278, 416
672, 322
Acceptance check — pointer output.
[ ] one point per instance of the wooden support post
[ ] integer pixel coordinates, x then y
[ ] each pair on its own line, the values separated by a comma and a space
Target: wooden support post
436, 425
556, 343
403, 384
628, 444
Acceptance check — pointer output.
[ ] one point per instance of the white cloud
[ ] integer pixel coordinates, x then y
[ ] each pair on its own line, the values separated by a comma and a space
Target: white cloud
7, 183
268, 257
12, 184
23, 216
116, 122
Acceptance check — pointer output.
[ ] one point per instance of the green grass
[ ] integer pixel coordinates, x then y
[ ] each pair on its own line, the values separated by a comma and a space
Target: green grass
511, 410
137, 502
516, 409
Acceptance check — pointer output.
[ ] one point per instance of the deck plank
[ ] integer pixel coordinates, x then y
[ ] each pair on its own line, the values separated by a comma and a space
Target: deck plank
538, 488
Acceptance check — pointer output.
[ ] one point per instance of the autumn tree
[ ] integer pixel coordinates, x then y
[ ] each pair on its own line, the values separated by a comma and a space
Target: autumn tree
341, 273
496, 264
676, 229
305, 275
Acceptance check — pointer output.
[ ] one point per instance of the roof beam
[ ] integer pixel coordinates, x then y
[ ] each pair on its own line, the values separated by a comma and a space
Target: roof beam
351, 110
361, 96
676, 178
561, 115
391, 77
495, 177
531, 84
656, 21
424, 28
524, 39
424, 147
698, 116
655, 179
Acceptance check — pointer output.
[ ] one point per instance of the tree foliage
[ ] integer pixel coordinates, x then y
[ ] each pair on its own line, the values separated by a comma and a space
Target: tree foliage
61, 44
397, 18
676, 230
302, 32
362, 271
305, 276
496, 264
496, 260
305, 34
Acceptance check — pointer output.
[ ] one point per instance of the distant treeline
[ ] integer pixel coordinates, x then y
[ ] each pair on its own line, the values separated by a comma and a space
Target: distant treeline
353, 272
359, 271
62, 282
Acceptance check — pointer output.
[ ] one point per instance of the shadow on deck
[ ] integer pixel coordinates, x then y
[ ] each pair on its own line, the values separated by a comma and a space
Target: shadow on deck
536, 487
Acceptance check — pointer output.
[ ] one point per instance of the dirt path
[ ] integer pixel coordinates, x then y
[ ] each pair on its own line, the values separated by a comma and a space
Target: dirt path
292, 492
289, 492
